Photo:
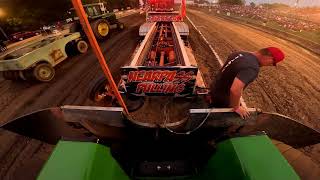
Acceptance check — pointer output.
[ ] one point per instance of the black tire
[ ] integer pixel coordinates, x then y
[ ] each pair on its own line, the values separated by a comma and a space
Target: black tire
97, 86
75, 27
133, 103
28, 74
43, 72
82, 46
5, 74
11, 75
106, 29
120, 26
71, 49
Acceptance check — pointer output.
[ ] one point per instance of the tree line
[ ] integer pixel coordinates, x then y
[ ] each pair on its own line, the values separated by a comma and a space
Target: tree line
25, 15
28, 15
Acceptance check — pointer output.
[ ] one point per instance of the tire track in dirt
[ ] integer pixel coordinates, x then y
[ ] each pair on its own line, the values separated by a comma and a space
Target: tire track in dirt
38, 96
207, 62
114, 62
70, 86
281, 82
20, 143
292, 89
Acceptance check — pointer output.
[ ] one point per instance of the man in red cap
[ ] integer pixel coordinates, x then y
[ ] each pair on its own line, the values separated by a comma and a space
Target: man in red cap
240, 69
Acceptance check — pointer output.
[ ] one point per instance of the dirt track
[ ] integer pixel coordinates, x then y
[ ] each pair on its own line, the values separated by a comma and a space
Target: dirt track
292, 88
70, 86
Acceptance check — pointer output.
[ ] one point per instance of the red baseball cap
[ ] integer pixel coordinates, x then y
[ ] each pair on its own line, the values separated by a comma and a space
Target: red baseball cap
277, 55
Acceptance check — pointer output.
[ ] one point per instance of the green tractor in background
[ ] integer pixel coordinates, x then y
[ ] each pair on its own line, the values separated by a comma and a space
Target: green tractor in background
101, 20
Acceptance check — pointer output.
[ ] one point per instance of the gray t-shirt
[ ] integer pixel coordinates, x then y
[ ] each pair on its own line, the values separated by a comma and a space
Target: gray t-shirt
244, 66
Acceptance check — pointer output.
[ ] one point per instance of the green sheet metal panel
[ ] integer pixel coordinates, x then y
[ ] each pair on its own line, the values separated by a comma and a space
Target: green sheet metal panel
81, 161
248, 158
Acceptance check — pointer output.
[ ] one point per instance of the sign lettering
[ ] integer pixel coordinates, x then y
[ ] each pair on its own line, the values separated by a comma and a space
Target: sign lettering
160, 81
159, 76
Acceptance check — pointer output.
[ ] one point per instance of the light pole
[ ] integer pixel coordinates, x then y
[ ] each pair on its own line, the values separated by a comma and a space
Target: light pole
2, 14
296, 4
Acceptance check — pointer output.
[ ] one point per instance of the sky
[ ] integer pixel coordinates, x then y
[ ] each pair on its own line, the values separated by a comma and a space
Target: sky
301, 3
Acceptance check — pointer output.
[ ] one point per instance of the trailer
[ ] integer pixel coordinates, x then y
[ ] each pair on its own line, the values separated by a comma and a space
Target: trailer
36, 60
163, 64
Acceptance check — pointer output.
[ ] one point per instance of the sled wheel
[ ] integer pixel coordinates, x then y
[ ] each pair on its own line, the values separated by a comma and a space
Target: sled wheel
100, 92
132, 102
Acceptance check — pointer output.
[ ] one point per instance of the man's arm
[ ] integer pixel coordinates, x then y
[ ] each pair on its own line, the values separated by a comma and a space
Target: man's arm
235, 95
236, 92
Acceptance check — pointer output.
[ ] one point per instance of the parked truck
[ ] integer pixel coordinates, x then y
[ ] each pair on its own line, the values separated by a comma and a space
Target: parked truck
37, 59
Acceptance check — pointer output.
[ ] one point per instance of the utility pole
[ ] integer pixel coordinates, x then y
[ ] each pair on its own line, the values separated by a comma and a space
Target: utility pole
3, 34
2, 15
296, 4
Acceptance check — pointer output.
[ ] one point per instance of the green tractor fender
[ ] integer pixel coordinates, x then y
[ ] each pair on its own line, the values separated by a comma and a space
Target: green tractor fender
100, 142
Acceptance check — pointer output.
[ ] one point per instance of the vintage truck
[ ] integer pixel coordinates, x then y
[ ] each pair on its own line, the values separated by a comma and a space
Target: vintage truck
37, 59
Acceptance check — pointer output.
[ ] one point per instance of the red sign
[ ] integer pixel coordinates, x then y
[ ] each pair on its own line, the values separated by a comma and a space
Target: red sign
159, 81
165, 18
165, 88
159, 76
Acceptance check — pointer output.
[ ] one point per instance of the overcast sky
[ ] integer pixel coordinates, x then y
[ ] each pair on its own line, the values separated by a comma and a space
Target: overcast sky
301, 3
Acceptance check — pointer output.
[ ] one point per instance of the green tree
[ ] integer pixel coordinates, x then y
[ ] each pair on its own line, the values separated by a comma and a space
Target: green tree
232, 2
275, 5
14, 21
32, 14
